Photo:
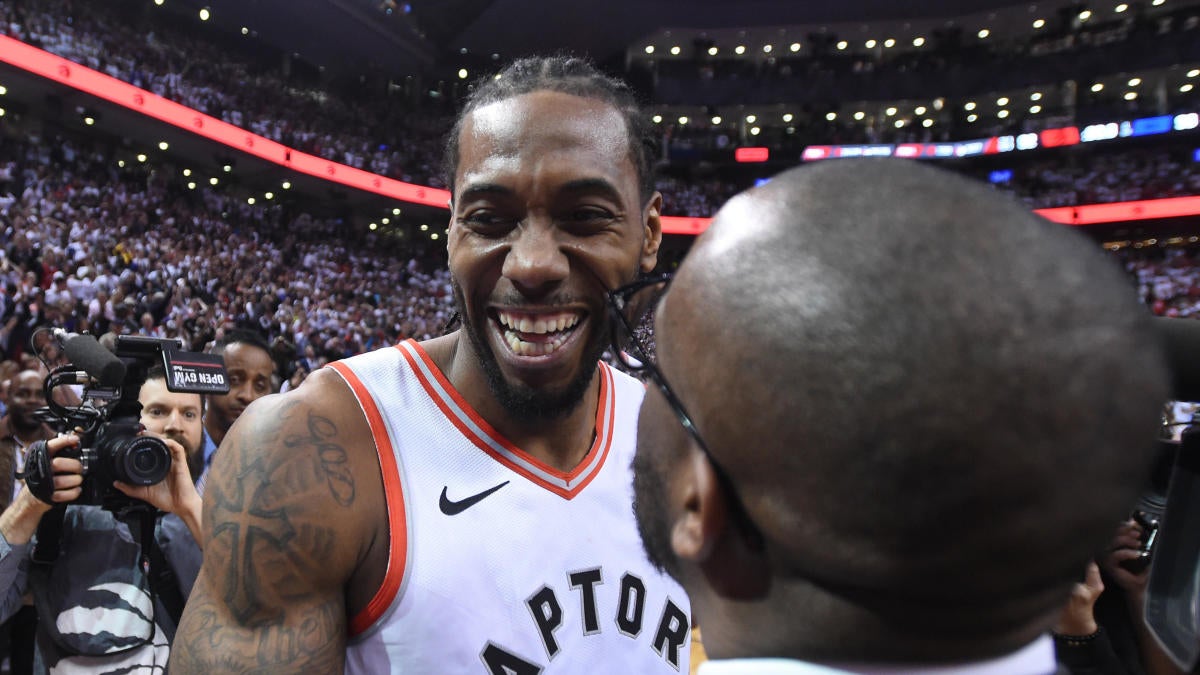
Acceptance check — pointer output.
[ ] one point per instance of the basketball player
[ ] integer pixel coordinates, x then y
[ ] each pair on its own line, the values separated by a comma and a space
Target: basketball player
864, 453
463, 504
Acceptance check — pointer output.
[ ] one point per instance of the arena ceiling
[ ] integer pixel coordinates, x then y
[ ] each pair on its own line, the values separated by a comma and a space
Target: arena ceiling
417, 35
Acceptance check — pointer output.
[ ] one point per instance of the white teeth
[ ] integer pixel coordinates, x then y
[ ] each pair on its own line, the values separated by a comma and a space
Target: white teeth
538, 325
523, 348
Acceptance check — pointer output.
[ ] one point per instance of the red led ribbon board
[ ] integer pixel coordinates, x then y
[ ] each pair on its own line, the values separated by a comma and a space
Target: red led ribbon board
747, 155
97, 84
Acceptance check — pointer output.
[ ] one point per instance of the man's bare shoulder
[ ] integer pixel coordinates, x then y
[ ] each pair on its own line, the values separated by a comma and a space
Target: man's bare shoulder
284, 535
291, 471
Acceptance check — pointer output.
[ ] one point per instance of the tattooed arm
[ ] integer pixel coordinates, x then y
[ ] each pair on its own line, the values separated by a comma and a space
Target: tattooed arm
288, 530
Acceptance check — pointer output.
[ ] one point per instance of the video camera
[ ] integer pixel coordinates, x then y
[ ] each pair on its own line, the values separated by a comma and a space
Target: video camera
108, 418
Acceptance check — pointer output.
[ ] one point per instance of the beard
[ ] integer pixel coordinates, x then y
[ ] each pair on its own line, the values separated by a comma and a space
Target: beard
195, 458
24, 422
650, 513
524, 403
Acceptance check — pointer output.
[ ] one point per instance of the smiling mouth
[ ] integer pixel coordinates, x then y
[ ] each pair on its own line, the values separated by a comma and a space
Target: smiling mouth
536, 334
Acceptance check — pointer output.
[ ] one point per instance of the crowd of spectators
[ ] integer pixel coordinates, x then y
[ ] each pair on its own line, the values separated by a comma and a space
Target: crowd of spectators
89, 246
1065, 179
380, 135
1167, 279
393, 136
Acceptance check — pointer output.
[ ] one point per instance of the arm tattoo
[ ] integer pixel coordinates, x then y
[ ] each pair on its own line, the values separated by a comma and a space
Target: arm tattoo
207, 647
331, 455
268, 535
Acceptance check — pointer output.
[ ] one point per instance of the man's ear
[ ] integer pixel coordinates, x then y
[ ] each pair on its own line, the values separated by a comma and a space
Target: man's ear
707, 534
652, 234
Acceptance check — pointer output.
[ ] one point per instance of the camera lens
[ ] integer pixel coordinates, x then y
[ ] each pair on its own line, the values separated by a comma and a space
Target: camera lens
142, 460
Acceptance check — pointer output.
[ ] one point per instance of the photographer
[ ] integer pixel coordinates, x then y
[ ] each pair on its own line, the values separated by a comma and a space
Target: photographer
1101, 633
95, 600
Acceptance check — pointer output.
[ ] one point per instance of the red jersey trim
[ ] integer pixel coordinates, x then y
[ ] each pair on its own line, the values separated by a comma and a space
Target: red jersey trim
470, 424
393, 491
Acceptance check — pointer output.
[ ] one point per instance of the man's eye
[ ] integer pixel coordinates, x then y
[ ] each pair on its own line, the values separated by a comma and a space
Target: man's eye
590, 216
486, 221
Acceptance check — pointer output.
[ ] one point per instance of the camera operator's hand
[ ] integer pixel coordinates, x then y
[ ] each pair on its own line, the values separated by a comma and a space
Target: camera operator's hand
1125, 546
174, 494
1077, 617
20, 520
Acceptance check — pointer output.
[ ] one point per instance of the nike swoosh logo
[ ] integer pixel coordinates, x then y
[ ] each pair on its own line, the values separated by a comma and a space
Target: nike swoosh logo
454, 508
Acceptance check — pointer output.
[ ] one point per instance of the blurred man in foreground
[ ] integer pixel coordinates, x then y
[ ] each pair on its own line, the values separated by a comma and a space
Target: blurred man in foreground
895, 415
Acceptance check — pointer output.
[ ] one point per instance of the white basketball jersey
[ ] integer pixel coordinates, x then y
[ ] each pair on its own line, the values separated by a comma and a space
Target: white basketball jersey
498, 562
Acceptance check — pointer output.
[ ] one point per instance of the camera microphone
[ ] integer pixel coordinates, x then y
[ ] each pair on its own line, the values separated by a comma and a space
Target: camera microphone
85, 352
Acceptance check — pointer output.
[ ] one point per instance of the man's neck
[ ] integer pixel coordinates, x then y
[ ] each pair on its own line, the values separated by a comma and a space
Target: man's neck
26, 435
215, 431
560, 443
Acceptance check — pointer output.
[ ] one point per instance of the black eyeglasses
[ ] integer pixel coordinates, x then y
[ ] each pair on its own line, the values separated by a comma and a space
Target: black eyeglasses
632, 309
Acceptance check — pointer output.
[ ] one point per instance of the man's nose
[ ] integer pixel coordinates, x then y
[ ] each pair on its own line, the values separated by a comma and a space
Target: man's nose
536, 262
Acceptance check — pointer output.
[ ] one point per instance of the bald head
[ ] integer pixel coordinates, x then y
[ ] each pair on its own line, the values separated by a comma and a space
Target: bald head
925, 394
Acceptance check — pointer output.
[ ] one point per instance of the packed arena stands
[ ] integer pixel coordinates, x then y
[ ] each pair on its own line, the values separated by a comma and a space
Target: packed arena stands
139, 252
92, 246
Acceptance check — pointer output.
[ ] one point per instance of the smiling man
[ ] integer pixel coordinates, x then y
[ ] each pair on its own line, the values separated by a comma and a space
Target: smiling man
463, 504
